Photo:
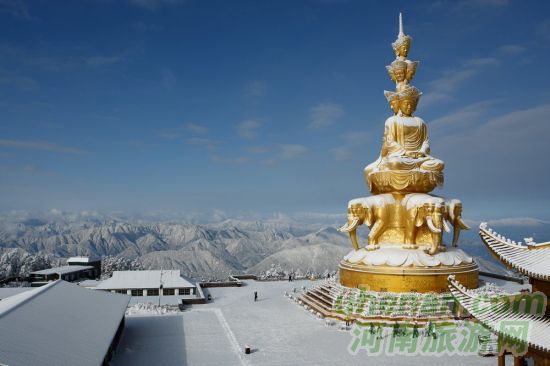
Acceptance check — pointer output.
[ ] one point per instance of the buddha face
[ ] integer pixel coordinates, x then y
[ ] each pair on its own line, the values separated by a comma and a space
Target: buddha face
407, 106
394, 105
399, 75
403, 49
410, 73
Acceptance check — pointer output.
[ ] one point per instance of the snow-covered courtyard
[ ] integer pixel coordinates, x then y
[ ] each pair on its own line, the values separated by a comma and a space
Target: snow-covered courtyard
278, 330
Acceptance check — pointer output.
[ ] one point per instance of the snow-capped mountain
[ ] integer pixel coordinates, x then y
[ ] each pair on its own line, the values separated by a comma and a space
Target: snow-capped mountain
212, 249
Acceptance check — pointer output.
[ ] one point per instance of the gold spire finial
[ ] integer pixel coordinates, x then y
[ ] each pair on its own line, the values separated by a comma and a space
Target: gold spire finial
401, 33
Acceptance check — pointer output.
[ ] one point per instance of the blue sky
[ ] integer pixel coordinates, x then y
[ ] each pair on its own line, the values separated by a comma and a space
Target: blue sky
265, 106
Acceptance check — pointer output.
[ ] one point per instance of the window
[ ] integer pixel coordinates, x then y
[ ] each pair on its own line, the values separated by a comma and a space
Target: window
185, 291
137, 292
152, 292
168, 291
121, 291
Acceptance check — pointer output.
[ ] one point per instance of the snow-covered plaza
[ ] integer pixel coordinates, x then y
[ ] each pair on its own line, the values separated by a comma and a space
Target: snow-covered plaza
278, 331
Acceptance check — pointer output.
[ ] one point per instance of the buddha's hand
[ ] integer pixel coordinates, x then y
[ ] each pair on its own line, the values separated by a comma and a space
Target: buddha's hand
415, 154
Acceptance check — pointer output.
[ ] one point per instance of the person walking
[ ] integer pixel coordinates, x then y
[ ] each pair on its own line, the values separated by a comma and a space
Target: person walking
255, 295
289, 278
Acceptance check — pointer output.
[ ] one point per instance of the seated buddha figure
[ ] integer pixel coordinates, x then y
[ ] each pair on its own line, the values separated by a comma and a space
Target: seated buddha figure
405, 146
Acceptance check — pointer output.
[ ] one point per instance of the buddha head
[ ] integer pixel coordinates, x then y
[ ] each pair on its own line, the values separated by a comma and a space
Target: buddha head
393, 100
401, 46
397, 70
408, 100
411, 69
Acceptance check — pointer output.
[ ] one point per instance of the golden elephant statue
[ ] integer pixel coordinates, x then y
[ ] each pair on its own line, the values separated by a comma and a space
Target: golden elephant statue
373, 211
423, 209
453, 214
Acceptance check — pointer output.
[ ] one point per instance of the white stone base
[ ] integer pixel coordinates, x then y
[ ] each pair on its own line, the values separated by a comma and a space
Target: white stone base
395, 256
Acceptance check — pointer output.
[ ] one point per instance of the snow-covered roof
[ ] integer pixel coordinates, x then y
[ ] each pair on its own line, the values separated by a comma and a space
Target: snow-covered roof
490, 316
10, 291
62, 270
59, 324
89, 283
531, 259
81, 260
144, 280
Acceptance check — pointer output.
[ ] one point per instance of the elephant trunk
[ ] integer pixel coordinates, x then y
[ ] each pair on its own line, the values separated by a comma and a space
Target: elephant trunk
353, 237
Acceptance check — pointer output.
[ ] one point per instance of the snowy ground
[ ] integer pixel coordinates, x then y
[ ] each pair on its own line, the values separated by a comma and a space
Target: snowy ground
279, 332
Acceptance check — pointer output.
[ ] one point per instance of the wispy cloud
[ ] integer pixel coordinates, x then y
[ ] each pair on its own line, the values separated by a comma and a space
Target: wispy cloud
462, 117
155, 4
511, 49
544, 29
18, 81
17, 8
325, 114
444, 87
249, 128
195, 128
182, 131
202, 142
341, 153
39, 145
168, 79
350, 139
292, 151
258, 149
256, 88
233, 161
356, 137
518, 221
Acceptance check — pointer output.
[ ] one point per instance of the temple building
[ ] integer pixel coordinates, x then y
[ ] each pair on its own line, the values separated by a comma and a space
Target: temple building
61, 323
531, 260
533, 343
156, 286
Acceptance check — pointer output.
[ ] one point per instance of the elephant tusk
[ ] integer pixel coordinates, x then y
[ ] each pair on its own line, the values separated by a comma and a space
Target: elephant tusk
446, 226
431, 225
463, 224
349, 227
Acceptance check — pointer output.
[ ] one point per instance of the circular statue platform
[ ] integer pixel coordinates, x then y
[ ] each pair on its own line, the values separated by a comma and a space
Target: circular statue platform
394, 269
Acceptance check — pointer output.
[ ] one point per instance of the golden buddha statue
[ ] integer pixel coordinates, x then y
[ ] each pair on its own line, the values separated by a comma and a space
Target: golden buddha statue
405, 148
405, 249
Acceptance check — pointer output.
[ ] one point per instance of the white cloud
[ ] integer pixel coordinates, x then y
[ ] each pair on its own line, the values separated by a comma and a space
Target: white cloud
197, 129
39, 145
291, 151
517, 221
224, 160
511, 49
249, 128
444, 87
258, 149
17, 8
168, 78
341, 153
325, 114
203, 142
463, 116
356, 137
256, 88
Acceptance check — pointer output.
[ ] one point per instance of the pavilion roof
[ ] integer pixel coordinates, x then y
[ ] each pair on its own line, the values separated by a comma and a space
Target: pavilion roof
491, 314
532, 259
